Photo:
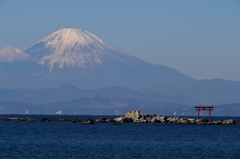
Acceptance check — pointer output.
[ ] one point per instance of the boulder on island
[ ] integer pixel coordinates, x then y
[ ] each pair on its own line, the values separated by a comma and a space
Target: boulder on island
119, 119
229, 121
88, 121
104, 120
134, 115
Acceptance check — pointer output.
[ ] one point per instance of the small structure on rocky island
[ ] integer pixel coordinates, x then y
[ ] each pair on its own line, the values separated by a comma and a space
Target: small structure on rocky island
209, 108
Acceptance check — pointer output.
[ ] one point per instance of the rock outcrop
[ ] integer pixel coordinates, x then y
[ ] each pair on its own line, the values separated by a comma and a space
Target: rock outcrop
88, 121
134, 115
104, 120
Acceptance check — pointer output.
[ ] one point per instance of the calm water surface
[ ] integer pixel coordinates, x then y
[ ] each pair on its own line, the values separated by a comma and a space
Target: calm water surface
128, 140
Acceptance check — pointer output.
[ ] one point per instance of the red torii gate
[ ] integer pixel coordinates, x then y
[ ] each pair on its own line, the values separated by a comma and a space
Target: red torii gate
209, 108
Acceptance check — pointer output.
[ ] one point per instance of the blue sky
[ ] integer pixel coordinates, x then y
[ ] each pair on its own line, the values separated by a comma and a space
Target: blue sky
200, 38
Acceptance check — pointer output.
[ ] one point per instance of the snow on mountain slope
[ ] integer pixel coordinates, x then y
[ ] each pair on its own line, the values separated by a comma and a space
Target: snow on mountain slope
71, 47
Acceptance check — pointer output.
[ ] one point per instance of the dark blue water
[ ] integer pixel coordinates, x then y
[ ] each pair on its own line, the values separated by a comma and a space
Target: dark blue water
107, 140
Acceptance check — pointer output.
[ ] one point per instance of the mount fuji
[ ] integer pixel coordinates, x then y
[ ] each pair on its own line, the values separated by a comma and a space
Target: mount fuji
80, 58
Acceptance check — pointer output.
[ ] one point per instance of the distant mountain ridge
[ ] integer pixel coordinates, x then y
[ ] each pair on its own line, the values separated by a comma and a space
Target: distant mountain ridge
68, 92
110, 106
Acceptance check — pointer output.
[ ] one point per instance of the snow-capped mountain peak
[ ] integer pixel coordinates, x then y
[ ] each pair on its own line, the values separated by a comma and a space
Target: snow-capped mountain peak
68, 37
70, 47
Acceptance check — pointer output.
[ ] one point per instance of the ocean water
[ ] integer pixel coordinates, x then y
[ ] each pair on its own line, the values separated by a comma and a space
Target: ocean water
60, 140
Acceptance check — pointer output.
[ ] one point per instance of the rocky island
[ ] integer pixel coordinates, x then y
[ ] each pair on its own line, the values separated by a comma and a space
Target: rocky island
133, 116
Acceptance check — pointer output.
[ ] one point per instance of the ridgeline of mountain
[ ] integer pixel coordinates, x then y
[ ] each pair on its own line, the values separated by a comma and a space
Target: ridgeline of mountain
68, 92
80, 58
111, 106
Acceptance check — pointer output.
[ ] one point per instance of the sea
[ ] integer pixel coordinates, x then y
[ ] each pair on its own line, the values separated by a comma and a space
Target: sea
66, 140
